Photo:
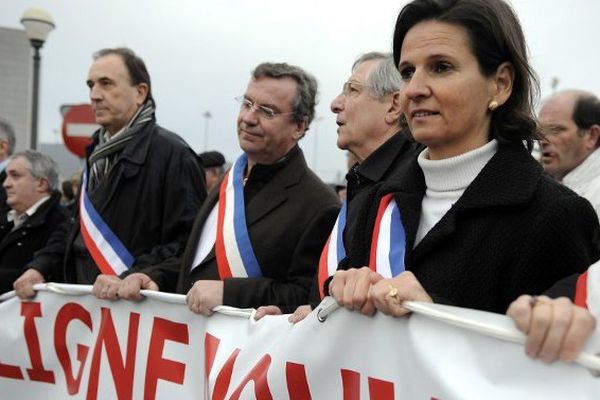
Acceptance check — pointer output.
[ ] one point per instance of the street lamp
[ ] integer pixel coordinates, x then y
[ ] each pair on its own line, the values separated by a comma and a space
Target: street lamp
38, 24
207, 116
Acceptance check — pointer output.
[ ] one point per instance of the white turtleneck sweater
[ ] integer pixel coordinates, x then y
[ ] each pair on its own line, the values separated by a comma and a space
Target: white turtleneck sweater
446, 181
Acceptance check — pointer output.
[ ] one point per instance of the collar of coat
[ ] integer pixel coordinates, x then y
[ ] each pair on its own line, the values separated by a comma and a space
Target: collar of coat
137, 149
271, 195
508, 179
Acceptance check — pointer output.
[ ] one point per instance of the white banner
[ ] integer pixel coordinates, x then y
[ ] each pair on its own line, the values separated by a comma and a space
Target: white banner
62, 346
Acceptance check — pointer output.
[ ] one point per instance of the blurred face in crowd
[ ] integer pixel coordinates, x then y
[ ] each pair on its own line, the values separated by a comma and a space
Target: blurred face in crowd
266, 131
565, 146
114, 98
363, 120
23, 190
4, 148
212, 176
444, 95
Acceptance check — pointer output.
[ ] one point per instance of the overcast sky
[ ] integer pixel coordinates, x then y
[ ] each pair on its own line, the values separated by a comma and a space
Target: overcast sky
200, 54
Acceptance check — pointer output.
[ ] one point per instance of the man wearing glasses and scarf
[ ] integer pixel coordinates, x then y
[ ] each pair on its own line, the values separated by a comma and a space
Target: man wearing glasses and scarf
141, 189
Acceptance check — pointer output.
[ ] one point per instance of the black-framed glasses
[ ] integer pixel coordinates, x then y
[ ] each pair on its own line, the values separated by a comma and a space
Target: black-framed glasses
248, 105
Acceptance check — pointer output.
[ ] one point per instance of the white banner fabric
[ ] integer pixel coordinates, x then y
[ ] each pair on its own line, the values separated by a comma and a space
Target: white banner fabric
77, 347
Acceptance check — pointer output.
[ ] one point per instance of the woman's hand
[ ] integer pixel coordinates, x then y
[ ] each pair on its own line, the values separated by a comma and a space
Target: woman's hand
389, 294
350, 289
555, 328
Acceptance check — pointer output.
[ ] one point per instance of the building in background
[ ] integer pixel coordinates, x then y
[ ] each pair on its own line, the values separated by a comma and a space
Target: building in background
15, 83
67, 162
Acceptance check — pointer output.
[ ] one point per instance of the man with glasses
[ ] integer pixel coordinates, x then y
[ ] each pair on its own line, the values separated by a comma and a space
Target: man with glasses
368, 116
257, 240
570, 122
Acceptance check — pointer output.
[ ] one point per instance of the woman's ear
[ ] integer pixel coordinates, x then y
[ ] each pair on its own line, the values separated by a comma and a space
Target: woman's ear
503, 82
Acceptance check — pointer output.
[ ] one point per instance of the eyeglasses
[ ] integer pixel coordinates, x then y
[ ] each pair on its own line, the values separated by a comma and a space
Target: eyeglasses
267, 112
352, 87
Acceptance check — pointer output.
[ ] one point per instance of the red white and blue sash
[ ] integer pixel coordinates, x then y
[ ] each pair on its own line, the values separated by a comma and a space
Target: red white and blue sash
388, 242
334, 250
108, 252
235, 256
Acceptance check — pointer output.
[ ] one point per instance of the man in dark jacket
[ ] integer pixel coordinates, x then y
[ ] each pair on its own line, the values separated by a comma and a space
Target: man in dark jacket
368, 116
257, 240
142, 183
31, 185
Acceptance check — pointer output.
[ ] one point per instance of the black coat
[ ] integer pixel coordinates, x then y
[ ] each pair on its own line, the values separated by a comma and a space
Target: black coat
17, 247
289, 220
388, 162
154, 192
513, 231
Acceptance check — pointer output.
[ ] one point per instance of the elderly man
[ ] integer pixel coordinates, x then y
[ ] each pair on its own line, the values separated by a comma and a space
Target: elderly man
7, 146
257, 240
32, 194
368, 116
570, 151
141, 188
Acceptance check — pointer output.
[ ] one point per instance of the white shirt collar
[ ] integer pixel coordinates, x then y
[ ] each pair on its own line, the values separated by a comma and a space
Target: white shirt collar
4, 163
15, 217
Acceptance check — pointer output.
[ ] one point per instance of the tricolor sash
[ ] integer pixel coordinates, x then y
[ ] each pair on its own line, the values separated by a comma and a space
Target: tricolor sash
233, 249
334, 250
108, 252
388, 242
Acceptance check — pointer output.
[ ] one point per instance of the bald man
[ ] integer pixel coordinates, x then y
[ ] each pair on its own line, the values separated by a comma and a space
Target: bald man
570, 150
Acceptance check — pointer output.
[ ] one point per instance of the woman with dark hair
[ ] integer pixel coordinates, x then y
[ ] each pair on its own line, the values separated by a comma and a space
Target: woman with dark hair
479, 222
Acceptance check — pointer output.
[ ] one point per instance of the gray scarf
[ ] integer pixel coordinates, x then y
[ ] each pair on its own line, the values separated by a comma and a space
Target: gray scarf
106, 152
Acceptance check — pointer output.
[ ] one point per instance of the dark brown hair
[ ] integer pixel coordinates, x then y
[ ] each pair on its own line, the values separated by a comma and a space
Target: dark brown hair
495, 37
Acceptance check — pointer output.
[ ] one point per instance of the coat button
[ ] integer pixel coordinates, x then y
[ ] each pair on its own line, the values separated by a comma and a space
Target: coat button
19, 244
24, 233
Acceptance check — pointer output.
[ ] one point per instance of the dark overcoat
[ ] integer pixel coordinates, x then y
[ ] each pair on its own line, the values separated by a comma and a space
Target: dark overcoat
513, 231
18, 246
288, 222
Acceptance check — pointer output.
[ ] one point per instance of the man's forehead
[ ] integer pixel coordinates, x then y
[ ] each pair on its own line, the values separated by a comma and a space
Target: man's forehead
17, 163
110, 65
269, 90
362, 70
558, 108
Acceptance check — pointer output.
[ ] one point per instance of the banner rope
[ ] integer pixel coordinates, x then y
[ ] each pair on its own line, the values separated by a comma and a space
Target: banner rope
436, 312
328, 306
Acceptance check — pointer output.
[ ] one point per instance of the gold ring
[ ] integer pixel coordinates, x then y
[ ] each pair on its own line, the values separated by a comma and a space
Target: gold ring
393, 292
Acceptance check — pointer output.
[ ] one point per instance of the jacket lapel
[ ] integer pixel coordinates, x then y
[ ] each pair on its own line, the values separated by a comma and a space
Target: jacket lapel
275, 192
127, 165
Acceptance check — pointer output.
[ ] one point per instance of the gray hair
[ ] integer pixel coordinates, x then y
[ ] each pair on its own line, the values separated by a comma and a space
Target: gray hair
306, 88
384, 78
7, 132
41, 166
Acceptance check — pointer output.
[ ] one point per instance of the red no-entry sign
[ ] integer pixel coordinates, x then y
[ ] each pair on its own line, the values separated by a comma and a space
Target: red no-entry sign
77, 128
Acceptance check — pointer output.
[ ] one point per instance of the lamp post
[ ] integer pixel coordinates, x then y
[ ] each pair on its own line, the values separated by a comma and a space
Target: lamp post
38, 24
207, 116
